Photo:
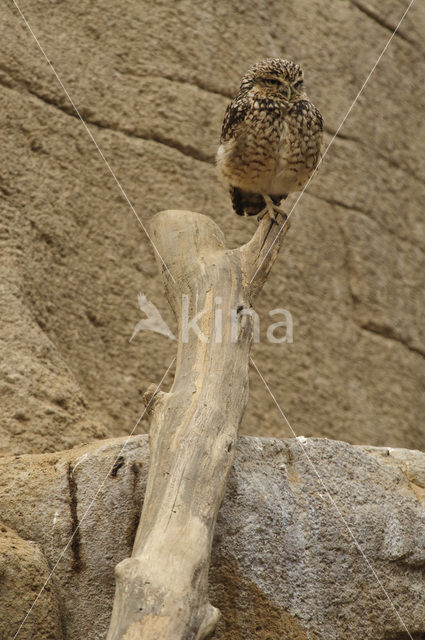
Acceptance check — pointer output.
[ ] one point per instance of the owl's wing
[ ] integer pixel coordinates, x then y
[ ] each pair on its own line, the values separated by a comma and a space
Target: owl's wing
233, 118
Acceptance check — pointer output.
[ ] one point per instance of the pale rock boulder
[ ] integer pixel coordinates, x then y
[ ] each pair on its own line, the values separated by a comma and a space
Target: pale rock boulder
284, 561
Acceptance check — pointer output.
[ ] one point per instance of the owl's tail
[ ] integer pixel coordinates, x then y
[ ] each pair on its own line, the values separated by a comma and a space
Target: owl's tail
246, 203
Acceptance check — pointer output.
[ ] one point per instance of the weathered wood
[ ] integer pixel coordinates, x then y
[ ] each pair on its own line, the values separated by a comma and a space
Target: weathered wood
162, 590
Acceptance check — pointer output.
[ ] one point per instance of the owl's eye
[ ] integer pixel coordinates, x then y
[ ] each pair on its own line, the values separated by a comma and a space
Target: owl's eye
273, 81
298, 84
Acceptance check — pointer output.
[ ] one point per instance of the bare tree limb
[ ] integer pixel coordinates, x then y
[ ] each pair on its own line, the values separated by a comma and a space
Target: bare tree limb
162, 590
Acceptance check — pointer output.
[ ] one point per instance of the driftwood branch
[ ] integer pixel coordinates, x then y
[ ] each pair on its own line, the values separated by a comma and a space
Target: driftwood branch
162, 590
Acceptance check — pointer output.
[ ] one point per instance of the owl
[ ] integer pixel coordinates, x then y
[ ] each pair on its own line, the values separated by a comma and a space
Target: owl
271, 138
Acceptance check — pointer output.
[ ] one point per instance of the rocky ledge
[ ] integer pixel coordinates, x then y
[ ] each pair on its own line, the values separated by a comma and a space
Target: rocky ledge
316, 539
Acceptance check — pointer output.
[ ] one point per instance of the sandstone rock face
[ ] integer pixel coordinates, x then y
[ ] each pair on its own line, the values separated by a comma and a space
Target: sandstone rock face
23, 572
152, 80
285, 561
90, 490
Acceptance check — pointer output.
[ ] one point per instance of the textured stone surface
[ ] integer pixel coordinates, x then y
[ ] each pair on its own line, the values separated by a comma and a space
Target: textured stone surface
23, 572
284, 563
152, 81
88, 488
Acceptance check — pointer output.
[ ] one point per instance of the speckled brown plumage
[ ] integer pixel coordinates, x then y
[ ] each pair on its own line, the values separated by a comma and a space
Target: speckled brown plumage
271, 138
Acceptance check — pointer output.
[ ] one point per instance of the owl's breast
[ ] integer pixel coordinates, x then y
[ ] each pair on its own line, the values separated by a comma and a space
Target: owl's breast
249, 160
299, 148
275, 150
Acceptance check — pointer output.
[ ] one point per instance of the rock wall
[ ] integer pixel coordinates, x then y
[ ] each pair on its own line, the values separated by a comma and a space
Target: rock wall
152, 80
284, 563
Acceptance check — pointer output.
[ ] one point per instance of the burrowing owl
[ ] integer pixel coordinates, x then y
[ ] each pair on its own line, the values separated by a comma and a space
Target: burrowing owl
271, 138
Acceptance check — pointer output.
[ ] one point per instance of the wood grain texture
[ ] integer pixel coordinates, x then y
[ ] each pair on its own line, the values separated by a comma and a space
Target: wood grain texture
161, 591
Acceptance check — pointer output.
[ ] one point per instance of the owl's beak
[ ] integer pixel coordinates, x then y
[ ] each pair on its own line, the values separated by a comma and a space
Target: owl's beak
287, 93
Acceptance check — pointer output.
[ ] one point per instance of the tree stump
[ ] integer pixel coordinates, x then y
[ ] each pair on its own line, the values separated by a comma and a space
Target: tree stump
162, 589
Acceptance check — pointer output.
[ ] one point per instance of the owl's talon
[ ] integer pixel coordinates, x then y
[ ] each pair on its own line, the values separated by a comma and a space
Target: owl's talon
273, 213
262, 213
277, 212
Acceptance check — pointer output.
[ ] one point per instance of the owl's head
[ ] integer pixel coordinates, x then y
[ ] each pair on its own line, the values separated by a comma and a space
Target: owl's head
276, 77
